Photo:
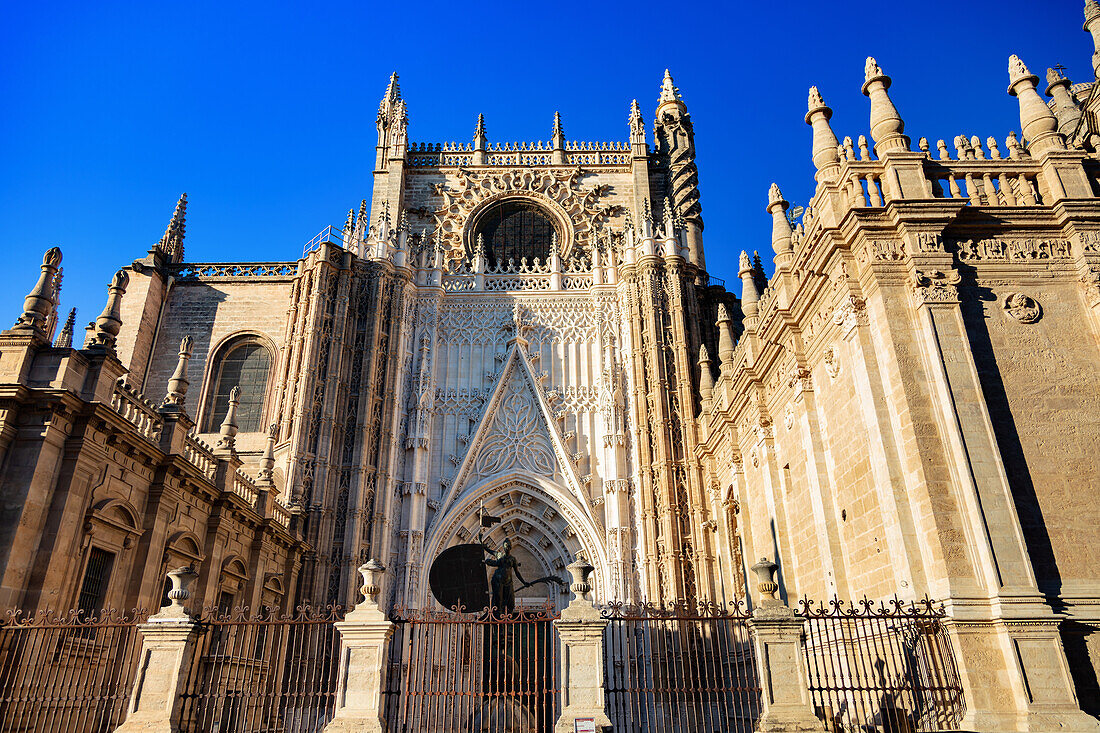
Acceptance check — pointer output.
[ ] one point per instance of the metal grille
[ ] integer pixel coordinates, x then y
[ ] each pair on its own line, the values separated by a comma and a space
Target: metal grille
68, 674
881, 667
473, 672
263, 672
516, 230
93, 589
680, 668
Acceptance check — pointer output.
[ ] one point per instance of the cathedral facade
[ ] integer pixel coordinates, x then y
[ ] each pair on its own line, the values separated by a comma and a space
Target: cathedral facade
909, 406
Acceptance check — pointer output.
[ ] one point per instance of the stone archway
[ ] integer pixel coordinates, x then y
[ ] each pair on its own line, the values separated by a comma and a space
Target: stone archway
540, 518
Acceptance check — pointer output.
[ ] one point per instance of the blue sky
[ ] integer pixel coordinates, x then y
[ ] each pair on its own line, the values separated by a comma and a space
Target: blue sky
264, 112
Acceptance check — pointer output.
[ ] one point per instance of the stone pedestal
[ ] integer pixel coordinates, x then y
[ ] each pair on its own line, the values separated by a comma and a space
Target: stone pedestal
167, 642
582, 665
364, 647
784, 697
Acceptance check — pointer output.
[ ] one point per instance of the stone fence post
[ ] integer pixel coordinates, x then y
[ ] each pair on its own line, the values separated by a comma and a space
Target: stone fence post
167, 642
364, 645
778, 640
582, 665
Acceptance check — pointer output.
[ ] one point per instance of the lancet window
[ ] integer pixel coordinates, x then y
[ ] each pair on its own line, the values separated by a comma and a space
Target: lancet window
245, 363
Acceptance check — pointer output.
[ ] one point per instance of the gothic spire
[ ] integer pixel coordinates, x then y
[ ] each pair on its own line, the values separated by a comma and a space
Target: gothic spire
171, 244
558, 141
390, 98
65, 338
669, 91
1065, 108
1092, 25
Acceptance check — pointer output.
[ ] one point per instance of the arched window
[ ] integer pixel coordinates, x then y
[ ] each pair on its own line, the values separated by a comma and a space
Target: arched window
243, 364
515, 229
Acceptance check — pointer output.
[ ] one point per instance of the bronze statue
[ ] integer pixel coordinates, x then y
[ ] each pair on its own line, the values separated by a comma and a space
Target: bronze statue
502, 585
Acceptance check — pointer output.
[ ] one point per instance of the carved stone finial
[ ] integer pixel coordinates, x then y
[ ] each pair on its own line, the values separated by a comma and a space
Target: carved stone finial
40, 300
781, 227
1092, 26
826, 160
227, 435
1039, 124
1017, 69
871, 69
558, 131
887, 127
389, 99
775, 196
65, 338
178, 382
725, 336
266, 475
706, 377
109, 322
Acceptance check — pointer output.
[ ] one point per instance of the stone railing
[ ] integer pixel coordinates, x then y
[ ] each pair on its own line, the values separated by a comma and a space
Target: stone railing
138, 411
236, 270
200, 455
280, 513
244, 486
537, 153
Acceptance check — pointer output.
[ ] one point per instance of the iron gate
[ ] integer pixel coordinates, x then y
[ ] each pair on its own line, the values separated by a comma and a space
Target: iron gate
456, 672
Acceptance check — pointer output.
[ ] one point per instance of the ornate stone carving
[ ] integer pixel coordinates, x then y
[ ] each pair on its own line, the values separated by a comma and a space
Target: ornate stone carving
1013, 249
1023, 308
935, 286
558, 190
850, 313
832, 362
518, 437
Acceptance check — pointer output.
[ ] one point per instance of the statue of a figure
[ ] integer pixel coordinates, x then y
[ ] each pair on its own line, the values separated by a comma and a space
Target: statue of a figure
502, 585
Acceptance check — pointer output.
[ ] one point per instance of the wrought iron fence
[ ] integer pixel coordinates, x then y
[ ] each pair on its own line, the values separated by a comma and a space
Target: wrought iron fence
680, 668
881, 666
456, 672
67, 674
262, 672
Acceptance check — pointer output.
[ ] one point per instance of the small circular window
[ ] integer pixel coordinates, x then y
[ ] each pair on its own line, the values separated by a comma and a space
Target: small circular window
514, 230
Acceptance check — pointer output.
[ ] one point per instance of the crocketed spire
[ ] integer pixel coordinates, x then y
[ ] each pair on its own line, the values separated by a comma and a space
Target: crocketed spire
390, 98
1039, 124
706, 378
65, 337
886, 124
826, 160
171, 244
669, 91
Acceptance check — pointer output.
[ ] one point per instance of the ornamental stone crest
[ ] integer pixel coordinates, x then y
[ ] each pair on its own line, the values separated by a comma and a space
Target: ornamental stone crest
1023, 308
936, 286
576, 208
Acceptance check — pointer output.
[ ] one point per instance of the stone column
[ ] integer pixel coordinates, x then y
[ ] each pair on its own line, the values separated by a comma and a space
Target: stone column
167, 641
582, 667
778, 638
364, 637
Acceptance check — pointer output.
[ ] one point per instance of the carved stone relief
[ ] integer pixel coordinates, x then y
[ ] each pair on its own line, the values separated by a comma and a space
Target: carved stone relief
1023, 308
